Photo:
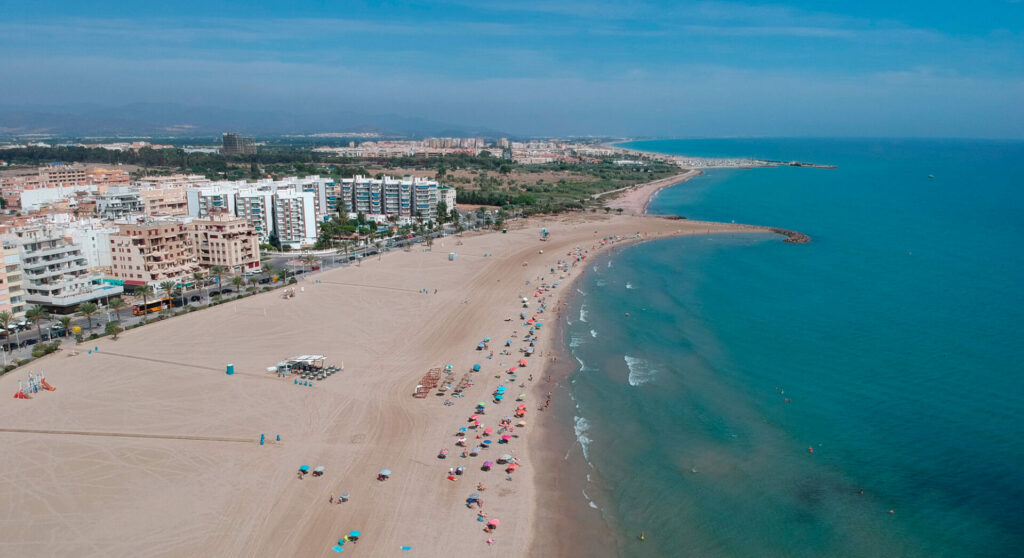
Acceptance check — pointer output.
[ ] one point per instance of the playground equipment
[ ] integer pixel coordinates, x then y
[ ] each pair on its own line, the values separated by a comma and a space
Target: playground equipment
34, 384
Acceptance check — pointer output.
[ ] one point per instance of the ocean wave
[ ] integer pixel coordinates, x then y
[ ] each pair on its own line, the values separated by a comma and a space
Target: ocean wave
629, 285
609, 263
583, 313
600, 282
581, 292
593, 334
589, 501
575, 342
640, 371
580, 428
582, 366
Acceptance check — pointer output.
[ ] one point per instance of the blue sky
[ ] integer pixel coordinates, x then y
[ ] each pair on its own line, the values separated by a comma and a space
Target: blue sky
825, 68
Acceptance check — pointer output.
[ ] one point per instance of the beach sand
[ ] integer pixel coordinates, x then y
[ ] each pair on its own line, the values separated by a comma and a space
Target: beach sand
147, 447
634, 201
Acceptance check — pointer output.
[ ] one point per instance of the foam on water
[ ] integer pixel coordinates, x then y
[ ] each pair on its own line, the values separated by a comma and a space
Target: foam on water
580, 428
629, 285
640, 371
593, 334
583, 313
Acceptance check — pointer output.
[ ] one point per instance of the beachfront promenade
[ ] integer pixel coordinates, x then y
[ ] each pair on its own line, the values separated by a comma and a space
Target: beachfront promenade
190, 477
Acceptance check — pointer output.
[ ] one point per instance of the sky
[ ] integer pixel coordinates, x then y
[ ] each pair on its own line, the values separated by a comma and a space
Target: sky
911, 68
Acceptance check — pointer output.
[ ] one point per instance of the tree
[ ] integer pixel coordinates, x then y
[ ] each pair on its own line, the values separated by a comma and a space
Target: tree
116, 304
36, 315
198, 277
238, 281
88, 309
65, 321
218, 271
167, 287
442, 212
269, 270
5, 321
441, 174
113, 328
145, 292
309, 260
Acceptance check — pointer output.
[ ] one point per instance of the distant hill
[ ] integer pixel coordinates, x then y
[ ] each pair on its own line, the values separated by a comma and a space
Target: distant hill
163, 120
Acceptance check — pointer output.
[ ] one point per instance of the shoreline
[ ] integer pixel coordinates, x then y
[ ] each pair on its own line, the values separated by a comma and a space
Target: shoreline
374, 320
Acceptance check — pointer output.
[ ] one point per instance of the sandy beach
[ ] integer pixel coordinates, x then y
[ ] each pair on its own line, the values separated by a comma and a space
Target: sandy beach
634, 201
148, 448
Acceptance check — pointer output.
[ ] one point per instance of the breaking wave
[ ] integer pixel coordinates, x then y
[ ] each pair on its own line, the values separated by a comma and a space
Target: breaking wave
640, 371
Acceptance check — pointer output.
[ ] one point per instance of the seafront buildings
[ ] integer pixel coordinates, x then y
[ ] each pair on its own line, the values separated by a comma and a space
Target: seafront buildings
12, 296
152, 252
55, 273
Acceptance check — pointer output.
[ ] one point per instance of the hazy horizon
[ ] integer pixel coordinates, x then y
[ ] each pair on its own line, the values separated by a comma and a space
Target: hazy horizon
704, 69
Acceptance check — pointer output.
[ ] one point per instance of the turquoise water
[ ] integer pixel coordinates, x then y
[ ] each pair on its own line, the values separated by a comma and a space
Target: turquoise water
894, 336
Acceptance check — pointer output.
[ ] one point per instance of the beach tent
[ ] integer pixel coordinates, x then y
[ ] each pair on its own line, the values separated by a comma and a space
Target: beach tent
476, 368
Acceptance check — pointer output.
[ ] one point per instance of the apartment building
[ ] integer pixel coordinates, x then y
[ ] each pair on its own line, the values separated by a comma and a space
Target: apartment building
257, 208
55, 273
447, 195
216, 198
407, 197
152, 252
119, 202
12, 296
226, 240
294, 218
234, 144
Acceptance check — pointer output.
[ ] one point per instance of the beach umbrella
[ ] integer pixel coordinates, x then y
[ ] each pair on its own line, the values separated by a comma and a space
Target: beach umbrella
540, 324
488, 430
488, 464
475, 450
522, 362
493, 523
502, 388
476, 368
505, 457
487, 443
499, 397
474, 496
449, 367
385, 472
506, 437
521, 423
354, 534
463, 429
480, 404
304, 468
486, 339
474, 417
338, 548
319, 469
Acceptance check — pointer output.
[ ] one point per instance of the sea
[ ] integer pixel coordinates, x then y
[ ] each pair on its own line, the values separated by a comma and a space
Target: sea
860, 395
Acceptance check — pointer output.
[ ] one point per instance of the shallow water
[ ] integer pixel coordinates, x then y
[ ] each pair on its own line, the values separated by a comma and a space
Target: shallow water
888, 345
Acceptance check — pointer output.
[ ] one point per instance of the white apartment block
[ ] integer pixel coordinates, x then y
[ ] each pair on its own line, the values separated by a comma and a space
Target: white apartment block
295, 218
404, 198
12, 295
56, 273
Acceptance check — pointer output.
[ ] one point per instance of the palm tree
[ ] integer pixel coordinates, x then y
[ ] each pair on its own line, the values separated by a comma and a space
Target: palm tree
88, 309
145, 291
66, 322
116, 304
198, 277
167, 287
218, 271
309, 260
5, 321
238, 281
269, 270
37, 314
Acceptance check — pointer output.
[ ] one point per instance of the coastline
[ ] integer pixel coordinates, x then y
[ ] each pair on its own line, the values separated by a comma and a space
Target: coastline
634, 201
377, 322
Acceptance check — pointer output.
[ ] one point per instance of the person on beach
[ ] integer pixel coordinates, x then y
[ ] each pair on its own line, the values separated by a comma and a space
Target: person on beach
331, 500
480, 486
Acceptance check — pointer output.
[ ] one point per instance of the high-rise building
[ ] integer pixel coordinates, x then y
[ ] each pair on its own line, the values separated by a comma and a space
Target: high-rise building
12, 296
56, 273
226, 240
234, 144
294, 218
152, 252
403, 198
